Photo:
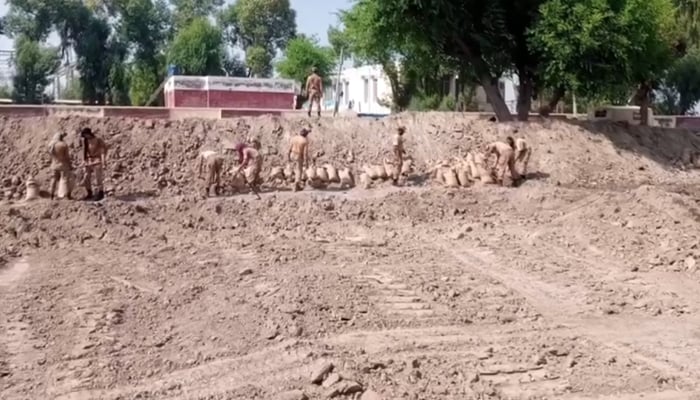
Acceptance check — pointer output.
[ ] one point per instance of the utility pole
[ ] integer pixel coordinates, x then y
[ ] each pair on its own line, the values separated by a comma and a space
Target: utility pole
337, 83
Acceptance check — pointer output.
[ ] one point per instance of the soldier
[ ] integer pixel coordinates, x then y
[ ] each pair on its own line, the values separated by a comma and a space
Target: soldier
314, 89
215, 164
95, 157
399, 151
522, 153
61, 166
299, 154
505, 160
251, 154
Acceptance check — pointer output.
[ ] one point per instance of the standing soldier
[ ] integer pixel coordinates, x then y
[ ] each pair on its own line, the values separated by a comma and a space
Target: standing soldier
95, 157
214, 163
60, 163
314, 90
299, 154
399, 151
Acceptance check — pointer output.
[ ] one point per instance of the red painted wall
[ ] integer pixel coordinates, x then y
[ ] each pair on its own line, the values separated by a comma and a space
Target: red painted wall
231, 99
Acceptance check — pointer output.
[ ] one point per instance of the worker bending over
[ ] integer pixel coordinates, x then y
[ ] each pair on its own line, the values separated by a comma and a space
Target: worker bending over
214, 164
505, 160
522, 153
252, 157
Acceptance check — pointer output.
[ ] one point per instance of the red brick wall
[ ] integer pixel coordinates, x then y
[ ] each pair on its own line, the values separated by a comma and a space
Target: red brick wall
190, 98
260, 100
688, 122
231, 99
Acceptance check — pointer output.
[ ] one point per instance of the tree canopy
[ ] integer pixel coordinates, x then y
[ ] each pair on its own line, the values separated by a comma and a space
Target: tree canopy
598, 50
303, 54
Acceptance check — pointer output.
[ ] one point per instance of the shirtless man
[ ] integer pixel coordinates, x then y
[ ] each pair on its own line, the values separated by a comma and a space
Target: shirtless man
314, 89
215, 164
399, 151
522, 152
60, 162
251, 154
95, 156
299, 154
505, 160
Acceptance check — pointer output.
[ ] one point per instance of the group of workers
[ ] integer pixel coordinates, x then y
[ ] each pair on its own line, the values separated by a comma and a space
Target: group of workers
94, 158
249, 155
508, 154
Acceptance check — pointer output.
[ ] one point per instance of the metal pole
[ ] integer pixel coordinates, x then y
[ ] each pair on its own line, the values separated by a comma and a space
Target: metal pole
573, 96
337, 83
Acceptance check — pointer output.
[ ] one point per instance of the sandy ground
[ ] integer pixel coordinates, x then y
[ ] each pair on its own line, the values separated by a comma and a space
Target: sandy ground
580, 284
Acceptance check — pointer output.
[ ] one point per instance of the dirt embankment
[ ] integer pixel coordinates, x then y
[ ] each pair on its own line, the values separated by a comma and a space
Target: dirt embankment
158, 156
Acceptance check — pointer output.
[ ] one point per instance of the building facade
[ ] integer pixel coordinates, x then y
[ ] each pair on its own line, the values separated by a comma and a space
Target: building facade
366, 90
363, 89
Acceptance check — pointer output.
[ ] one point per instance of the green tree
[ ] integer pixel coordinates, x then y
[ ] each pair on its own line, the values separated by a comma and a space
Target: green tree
374, 43
198, 49
259, 61
143, 29
187, 11
680, 89
583, 47
260, 28
652, 28
302, 54
33, 66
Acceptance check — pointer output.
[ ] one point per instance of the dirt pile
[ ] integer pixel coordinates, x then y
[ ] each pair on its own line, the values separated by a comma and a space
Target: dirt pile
158, 156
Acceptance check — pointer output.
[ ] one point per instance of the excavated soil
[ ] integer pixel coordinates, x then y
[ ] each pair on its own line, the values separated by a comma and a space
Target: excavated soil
582, 283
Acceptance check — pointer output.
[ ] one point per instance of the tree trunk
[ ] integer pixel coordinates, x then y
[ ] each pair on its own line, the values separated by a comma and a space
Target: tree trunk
490, 85
524, 98
549, 107
642, 96
494, 97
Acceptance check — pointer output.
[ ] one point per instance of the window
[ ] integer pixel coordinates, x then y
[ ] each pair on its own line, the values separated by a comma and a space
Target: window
365, 81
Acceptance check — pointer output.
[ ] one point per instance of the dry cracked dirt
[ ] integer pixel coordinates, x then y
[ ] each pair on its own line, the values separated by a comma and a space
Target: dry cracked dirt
582, 283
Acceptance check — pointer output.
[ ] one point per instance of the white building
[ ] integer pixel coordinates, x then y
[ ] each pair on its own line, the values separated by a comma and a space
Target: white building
363, 89
366, 89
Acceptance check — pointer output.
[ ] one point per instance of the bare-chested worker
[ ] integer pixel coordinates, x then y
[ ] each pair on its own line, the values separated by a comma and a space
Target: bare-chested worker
95, 156
522, 153
214, 164
314, 89
252, 156
61, 165
505, 160
240, 146
399, 151
299, 154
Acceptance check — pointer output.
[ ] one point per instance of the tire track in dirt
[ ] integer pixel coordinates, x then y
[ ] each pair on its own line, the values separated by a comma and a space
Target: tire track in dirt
639, 341
18, 340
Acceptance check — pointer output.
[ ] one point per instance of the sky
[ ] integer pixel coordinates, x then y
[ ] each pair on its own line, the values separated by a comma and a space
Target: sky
313, 17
